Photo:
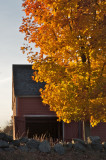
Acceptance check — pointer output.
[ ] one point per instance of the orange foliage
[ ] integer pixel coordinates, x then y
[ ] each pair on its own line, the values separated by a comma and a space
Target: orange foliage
70, 35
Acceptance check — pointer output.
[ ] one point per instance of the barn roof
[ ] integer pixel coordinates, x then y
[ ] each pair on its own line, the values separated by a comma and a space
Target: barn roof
23, 83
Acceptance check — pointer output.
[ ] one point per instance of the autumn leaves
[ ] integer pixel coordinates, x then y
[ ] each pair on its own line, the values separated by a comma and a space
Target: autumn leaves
71, 60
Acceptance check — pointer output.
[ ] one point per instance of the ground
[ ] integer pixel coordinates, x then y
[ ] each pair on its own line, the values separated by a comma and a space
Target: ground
70, 155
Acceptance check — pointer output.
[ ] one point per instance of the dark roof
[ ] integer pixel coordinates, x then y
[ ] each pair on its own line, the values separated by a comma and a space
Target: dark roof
23, 83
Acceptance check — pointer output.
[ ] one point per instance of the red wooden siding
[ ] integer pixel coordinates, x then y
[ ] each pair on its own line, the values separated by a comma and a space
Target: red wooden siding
32, 106
70, 131
20, 129
99, 130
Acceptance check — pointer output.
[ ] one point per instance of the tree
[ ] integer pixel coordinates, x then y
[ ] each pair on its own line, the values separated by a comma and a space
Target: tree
71, 38
8, 129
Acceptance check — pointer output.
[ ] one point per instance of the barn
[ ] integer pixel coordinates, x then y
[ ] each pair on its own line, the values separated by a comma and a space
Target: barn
32, 117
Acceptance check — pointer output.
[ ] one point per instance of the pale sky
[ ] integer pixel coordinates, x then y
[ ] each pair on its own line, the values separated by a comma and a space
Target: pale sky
10, 42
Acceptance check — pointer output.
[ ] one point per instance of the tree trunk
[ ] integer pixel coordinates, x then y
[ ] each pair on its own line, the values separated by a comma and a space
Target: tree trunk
86, 130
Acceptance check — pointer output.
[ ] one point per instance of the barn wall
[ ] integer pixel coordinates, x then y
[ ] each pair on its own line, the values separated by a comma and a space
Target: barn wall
13, 127
71, 131
99, 130
32, 106
13, 100
14, 114
13, 107
20, 127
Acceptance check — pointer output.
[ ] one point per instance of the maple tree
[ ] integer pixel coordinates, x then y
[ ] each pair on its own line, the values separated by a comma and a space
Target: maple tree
71, 60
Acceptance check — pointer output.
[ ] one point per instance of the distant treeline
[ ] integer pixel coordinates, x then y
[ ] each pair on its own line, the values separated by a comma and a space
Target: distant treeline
8, 129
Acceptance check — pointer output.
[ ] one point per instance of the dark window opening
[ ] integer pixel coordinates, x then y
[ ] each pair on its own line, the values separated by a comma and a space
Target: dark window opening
48, 126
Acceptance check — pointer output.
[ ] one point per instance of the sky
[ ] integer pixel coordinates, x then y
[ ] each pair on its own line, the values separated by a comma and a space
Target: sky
10, 42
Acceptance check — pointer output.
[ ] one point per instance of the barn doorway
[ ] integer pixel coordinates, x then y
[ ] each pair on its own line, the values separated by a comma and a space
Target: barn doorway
48, 126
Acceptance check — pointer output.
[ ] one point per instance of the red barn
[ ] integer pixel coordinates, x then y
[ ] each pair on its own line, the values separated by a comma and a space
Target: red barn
31, 116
